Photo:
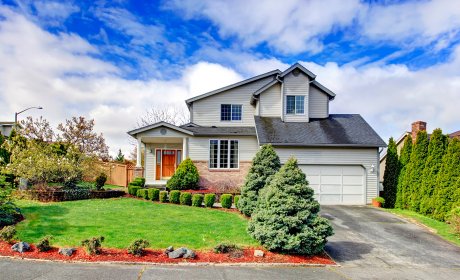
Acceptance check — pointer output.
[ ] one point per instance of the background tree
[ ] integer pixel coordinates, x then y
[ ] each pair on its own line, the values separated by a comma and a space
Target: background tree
404, 159
4, 154
449, 174
436, 151
286, 217
80, 132
38, 129
170, 114
120, 157
265, 164
390, 177
417, 162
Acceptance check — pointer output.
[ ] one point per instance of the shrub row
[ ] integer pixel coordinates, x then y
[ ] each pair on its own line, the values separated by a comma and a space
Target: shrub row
185, 198
72, 194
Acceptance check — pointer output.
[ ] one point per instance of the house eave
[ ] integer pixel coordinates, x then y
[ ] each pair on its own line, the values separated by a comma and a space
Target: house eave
136, 131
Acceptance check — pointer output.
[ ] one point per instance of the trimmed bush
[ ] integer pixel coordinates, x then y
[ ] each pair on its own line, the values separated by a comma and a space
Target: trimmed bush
264, 165
163, 196
286, 218
7, 233
186, 198
154, 194
197, 200
143, 193
236, 198
224, 248
209, 200
100, 181
226, 200
93, 245
137, 247
185, 178
174, 197
132, 189
138, 181
44, 244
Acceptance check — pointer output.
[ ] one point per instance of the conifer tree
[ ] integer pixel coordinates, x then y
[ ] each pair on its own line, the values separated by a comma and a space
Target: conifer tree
265, 164
286, 217
390, 177
120, 157
417, 162
402, 192
444, 192
436, 151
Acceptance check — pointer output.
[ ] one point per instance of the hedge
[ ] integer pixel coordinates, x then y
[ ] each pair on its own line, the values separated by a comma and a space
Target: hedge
174, 197
185, 198
226, 200
197, 200
154, 194
209, 200
163, 196
236, 198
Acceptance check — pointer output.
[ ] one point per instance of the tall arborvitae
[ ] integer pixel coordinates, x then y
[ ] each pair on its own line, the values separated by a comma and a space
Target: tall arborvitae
444, 192
404, 158
436, 151
417, 161
265, 164
390, 177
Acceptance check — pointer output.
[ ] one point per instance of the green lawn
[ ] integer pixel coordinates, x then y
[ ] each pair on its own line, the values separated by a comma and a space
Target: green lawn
123, 220
442, 229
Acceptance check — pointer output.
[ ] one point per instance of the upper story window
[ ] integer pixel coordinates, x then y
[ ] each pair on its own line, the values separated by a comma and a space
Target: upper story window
230, 112
295, 104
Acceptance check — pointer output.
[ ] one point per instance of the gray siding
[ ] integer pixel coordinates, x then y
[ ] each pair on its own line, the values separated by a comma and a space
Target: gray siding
270, 102
295, 85
339, 156
206, 112
150, 158
199, 147
318, 104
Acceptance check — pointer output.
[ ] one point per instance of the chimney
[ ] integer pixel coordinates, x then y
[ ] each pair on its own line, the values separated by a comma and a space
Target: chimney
416, 127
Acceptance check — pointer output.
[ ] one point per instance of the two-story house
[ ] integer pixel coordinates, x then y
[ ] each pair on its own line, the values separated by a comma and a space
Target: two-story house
339, 153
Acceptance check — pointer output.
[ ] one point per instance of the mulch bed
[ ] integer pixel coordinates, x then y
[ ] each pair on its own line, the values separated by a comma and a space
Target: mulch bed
157, 256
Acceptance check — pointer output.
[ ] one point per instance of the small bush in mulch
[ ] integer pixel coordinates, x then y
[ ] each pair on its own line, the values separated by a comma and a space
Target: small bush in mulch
163, 196
93, 245
7, 233
143, 193
226, 200
236, 198
185, 198
228, 248
209, 199
154, 194
174, 197
138, 246
132, 189
100, 181
44, 244
197, 200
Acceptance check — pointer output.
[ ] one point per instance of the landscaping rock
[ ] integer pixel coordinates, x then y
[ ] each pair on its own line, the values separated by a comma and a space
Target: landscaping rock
169, 250
21, 247
190, 254
258, 253
67, 251
179, 253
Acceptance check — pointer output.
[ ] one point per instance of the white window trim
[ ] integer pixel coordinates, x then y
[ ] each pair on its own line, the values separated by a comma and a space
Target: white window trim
295, 105
218, 155
235, 121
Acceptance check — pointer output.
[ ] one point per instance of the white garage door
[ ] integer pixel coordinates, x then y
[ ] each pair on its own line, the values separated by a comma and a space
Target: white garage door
336, 184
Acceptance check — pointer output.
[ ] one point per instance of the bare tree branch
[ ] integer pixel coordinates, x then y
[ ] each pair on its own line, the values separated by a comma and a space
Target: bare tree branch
38, 129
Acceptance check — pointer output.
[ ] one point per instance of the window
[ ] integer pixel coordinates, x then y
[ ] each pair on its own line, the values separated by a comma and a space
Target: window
223, 153
178, 157
295, 104
230, 112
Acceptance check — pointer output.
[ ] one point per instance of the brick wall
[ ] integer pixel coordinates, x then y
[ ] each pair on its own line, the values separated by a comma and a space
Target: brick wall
228, 180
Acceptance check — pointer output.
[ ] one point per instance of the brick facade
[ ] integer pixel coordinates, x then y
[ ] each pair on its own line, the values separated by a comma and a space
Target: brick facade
222, 181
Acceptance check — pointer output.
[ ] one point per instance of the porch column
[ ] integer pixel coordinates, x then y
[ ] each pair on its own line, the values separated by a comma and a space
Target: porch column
139, 156
184, 148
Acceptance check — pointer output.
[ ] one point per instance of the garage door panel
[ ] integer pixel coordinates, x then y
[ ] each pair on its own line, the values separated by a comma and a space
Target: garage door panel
330, 170
352, 170
331, 179
330, 189
314, 187
352, 199
352, 189
352, 180
330, 199
313, 180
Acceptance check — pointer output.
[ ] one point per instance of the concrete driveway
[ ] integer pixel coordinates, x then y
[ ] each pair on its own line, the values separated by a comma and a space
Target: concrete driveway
384, 244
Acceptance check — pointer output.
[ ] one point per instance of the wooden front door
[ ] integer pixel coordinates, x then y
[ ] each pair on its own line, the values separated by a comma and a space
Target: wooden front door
169, 163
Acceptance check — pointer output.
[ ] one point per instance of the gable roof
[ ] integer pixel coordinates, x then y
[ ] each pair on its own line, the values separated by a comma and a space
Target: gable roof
136, 131
247, 81
301, 68
340, 130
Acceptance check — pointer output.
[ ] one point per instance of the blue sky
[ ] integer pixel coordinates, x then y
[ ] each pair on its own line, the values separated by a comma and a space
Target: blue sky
394, 62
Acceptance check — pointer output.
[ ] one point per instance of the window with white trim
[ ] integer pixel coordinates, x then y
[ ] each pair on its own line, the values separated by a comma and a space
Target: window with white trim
231, 112
295, 104
223, 154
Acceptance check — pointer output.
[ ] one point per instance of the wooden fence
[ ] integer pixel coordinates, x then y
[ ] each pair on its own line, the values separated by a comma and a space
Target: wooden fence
118, 174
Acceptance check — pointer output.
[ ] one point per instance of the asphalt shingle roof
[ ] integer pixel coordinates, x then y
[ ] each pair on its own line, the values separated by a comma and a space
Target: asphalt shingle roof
220, 131
336, 130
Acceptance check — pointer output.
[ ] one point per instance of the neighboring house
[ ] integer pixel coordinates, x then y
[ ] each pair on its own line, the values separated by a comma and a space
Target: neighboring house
6, 128
290, 110
416, 127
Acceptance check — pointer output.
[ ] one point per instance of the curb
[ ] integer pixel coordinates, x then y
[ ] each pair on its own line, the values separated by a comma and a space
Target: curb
186, 264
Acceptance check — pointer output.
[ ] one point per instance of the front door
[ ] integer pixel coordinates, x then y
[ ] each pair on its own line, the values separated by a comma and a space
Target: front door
169, 163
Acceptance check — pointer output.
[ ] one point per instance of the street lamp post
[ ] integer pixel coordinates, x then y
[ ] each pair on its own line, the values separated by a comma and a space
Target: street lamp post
17, 113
